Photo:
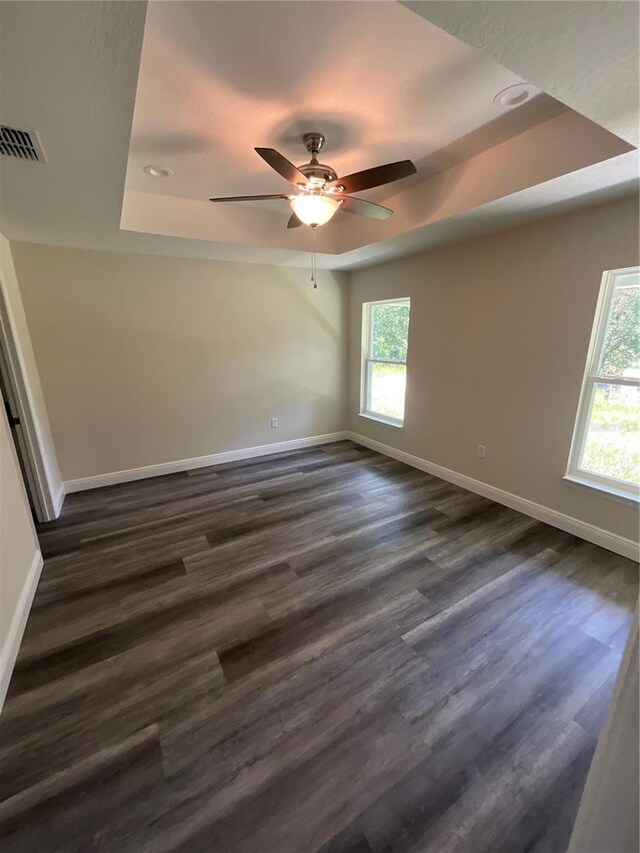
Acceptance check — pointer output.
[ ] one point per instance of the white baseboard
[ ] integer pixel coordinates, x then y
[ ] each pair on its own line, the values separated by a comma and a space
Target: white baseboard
610, 541
589, 532
11, 645
58, 500
127, 476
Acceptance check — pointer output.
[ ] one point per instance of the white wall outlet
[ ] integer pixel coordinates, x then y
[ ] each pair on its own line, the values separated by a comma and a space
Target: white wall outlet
274, 423
481, 451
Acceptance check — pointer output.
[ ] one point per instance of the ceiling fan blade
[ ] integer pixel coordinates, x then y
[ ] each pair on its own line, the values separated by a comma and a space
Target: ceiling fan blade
293, 222
288, 171
248, 197
375, 177
365, 208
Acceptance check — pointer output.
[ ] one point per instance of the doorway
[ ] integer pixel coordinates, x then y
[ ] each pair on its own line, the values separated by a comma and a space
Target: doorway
11, 410
17, 405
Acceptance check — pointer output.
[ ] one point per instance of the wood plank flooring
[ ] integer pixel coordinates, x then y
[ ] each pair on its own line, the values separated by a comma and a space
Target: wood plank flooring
322, 650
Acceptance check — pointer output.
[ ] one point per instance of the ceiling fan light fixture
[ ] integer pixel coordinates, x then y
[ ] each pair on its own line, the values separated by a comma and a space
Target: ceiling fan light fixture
314, 209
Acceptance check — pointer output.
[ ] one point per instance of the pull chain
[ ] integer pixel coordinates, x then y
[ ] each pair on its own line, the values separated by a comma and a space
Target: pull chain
313, 259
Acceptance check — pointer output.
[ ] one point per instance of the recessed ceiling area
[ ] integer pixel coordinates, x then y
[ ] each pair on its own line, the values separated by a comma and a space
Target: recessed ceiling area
191, 88
211, 87
380, 83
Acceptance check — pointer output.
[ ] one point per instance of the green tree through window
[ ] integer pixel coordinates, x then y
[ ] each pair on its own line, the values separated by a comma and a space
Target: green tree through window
622, 340
389, 331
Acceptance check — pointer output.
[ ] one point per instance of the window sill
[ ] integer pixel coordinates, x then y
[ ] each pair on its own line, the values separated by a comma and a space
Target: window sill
380, 419
602, 489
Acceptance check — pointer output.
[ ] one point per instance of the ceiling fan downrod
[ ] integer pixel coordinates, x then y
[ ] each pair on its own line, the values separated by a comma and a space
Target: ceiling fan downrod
317, 174
314, 143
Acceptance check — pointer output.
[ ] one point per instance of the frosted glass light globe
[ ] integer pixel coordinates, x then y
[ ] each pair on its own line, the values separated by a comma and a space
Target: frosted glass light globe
314, 210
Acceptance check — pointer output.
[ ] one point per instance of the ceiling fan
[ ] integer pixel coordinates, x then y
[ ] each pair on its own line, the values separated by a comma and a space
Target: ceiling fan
320, 192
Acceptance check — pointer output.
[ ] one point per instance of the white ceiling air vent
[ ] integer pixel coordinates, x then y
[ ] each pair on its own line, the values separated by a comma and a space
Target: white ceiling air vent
22, 144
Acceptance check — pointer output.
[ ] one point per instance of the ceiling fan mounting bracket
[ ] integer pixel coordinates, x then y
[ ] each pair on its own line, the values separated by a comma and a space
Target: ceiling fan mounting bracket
313, 142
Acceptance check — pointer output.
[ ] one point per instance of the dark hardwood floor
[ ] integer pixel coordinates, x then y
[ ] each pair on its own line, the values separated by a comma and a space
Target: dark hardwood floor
319, 650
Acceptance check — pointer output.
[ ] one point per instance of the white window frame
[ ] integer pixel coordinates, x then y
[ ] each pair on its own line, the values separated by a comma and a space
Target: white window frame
575, 474
368, 361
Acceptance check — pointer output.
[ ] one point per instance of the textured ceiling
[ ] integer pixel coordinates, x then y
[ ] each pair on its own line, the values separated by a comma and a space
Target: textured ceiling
586, 54
70, 71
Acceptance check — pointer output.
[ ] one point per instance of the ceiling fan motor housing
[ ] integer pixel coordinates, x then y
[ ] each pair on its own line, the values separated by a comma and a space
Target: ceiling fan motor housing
317, 173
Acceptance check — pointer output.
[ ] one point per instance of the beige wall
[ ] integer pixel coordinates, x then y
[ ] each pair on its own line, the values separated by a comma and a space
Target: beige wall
47, 464
498, 339
18, 552
148, 359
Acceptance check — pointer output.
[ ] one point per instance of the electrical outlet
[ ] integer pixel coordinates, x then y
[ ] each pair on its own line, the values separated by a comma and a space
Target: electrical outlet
274, 423
481, 451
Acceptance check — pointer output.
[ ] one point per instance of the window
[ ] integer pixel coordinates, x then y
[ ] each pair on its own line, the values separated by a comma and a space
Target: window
605, 452
385, 328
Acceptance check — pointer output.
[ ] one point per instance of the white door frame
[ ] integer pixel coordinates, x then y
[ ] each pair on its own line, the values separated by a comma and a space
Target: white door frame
26, 432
